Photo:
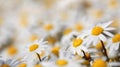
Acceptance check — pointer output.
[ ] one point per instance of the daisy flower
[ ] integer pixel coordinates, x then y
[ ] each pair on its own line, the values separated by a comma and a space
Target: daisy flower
9, 62
114, 42
113, 46
66, 39
98, 32
99, 63
77, 45
37, 46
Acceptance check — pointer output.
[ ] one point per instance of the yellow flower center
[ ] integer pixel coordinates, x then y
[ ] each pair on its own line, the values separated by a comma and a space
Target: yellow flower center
55, 50
24, 19
12, 50
77, 42
61, 62
5, 65
48, 27
33, 38
49, 3
99, 45
33, 47
116, 38
38, 65
78, 27
113, 4
22, 65
99, 63
97, 13
97, 30
67, 31
51, 40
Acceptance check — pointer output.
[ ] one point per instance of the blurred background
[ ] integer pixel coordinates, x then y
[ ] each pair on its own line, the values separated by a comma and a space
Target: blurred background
24, 21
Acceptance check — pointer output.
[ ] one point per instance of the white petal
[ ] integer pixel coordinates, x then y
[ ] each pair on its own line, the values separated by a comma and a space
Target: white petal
102, 37
95, 41
89, 43
117, 46
108, 33
110, 28
107, 24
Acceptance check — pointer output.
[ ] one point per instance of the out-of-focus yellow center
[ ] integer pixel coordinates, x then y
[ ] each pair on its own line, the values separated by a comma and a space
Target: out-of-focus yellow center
48, 27
55, 50
61, 62
22, 65
99, 45
97, 30
99, 63
78, 27
49, 3
77, 42
51, 40
33, 38
116, 38
38, 65
24, 19
97, 13
12, 50
113, 3
5, 65
33, 47
67, 31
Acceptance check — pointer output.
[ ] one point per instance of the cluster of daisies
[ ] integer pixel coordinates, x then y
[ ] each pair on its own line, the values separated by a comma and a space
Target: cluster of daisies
59, 33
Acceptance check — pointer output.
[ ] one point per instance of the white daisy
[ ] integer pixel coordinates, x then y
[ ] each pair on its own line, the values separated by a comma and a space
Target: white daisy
37, 46
9, 62
77, 45
98, 32
114, 42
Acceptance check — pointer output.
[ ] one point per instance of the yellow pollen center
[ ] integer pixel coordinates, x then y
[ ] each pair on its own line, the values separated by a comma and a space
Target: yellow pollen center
113, 4
99, 63
97, 13
48, 27
55, 50
38, 65
51, 40
61, 62
12, 50
49, 3
5, 65
33, 38
67, 31
97, 30
33, 47
77, 42
22, 65
78, 27
116, 38
24, 19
